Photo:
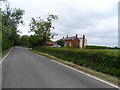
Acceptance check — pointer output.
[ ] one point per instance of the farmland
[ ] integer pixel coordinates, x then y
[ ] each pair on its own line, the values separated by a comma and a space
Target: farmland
102, 60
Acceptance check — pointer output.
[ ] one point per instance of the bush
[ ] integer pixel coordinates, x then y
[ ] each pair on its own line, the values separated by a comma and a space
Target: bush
96, 60
34, 41
6, 43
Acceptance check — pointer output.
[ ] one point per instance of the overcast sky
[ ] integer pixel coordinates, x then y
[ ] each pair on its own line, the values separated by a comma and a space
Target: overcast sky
97, 19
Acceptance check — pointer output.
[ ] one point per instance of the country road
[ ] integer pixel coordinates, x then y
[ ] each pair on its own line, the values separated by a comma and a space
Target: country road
25, 69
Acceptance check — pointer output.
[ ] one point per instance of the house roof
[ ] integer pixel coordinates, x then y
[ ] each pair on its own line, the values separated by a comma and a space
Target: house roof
69, 38
50, 42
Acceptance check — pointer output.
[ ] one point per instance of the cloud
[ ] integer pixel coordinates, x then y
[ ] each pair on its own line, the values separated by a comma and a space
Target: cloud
97, 19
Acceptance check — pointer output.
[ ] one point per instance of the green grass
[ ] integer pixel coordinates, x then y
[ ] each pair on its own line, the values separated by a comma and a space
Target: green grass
0, 35
113, 52
0, 54
5, 52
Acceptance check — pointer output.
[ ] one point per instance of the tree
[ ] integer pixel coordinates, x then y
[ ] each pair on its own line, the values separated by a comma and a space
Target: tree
11, 17
6, 43
34, 41
24, 40
61, 42
43, 28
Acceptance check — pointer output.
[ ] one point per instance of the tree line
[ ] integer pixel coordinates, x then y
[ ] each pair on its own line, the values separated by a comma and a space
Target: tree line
12, 17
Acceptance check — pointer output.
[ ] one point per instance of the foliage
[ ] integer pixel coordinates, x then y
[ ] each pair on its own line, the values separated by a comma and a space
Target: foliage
96, 60
43, 28
24, 40
61, 42
11, 17
34, 41
6, 43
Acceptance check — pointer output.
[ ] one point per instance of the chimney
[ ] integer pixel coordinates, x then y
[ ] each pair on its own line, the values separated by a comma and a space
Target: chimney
76, 35
83, 42
67, 36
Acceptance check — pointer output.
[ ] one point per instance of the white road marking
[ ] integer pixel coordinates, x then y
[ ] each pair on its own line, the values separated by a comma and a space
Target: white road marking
5, 56
86, 74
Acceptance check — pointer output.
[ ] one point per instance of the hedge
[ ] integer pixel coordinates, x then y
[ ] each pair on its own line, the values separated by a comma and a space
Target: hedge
96, 60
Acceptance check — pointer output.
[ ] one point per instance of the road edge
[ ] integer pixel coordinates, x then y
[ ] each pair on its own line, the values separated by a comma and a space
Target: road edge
6, 55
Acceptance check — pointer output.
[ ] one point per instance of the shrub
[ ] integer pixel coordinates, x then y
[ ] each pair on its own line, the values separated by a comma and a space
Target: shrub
6, 43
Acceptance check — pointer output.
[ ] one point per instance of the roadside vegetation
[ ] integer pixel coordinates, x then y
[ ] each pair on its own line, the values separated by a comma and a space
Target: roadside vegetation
92, 72
100, 47
0, 54
99, 60
11, 18
5, 52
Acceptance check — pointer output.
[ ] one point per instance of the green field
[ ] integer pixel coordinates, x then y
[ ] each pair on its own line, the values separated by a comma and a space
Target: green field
102, 60
113, 52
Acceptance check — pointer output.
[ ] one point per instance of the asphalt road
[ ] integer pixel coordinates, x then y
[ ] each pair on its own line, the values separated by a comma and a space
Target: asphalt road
25, 69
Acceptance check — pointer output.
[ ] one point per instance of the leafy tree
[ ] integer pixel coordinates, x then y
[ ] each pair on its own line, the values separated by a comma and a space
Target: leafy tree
34, 41
17, 40
61, 42
43, 28
11, 17
24, 40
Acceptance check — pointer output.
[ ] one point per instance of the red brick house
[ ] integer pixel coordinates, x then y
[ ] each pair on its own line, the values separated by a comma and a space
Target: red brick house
75, 41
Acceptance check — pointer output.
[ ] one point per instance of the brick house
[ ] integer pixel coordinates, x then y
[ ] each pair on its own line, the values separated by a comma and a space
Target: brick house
75, 41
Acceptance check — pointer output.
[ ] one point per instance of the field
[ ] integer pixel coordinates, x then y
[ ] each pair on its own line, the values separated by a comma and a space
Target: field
113, 52
102, 60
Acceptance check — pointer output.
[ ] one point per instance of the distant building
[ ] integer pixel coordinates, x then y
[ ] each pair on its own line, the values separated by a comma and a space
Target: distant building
51, 43
75, 41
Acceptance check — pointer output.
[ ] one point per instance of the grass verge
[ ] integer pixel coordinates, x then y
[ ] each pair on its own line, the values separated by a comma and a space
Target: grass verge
108, 78
0, 54
5, 52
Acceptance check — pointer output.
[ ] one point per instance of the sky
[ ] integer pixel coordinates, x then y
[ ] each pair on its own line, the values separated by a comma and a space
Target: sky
97, 19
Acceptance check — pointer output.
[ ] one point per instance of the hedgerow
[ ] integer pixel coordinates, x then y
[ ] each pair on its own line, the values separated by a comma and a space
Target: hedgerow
96, 60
